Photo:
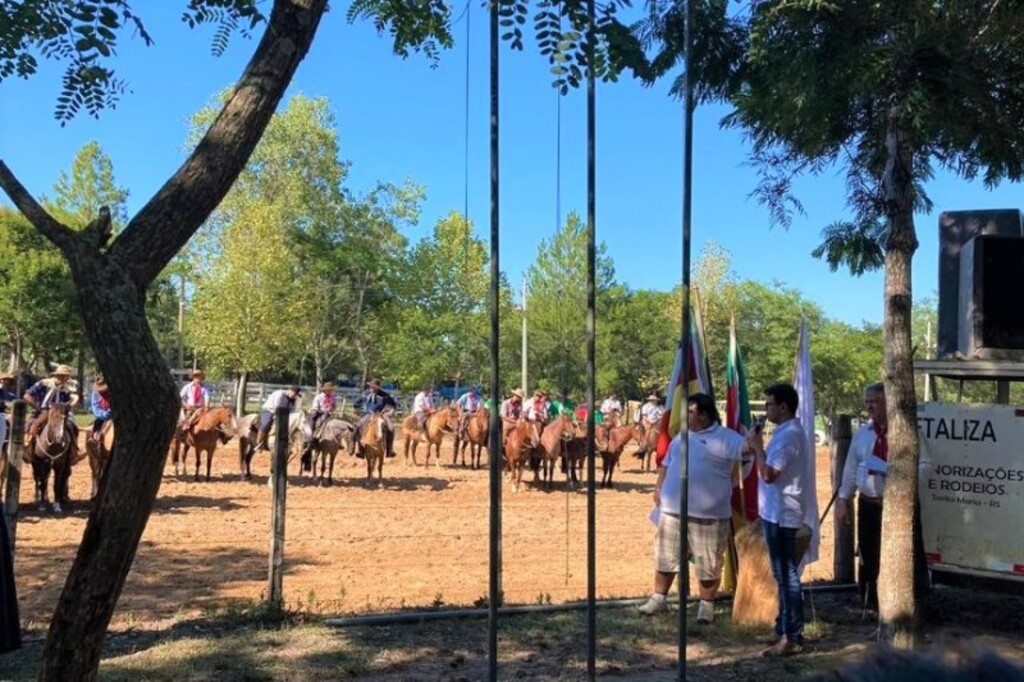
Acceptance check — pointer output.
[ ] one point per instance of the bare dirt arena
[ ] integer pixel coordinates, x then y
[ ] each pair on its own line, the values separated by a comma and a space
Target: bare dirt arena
419, 540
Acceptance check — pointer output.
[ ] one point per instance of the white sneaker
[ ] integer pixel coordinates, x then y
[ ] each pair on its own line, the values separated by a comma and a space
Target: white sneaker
653, 605
706, 612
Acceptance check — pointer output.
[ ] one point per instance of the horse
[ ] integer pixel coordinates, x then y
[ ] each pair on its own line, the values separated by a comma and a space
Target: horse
248, 433
610, 443
55, 449
99, 451
437, 423
215, 424
477, 432
649, 443
553, 440
373, 442
332, 434
520, 443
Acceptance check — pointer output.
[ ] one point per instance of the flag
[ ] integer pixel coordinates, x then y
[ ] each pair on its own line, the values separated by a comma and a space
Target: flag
698, 371
737, 418
803, 381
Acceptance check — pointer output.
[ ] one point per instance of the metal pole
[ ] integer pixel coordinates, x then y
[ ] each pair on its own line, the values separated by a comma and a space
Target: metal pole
591, 347
279, 481
494, 591
524, 383
684, 573
15, 457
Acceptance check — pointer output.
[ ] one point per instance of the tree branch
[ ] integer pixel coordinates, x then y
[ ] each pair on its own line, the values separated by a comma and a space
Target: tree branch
47, 225
170, 218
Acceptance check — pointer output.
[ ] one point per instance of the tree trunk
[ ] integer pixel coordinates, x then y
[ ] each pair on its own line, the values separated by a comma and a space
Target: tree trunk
145, 402
243, 389
897, 593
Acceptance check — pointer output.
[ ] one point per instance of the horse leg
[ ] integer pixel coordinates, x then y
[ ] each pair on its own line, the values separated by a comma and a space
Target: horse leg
209, 460
330, 466
38, 478
243, 464
455, 453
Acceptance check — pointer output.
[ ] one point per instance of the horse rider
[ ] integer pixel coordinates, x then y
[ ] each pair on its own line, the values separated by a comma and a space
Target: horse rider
323, 407
511, 411
535, 409
611, 410
6, 396
99, 404
282, 397
44, 393
423, 406
195, 400
468, 403
650, 415
376, 399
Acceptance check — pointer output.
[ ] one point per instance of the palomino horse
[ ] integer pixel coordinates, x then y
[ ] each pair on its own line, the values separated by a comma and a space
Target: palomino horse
443, 420
332, 434
99, 451
217, 423
373, 442
55, 449
477, 431
520, 443
553, 441
610, 443
248, 434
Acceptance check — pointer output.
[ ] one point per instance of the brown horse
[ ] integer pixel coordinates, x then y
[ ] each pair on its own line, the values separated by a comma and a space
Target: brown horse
217, 423
443, 420
520, 444
99, 451
553, 440
649, 443
477, 432
610, 443
54, 449
374, 444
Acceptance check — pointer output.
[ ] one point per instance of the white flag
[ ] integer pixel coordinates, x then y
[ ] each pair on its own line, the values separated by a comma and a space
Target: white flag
803, 381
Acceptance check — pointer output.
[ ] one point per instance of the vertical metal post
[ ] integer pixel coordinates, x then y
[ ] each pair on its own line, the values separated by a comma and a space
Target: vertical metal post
524, 382
494, 591
15, 457
688, 105
279, 485
591, 346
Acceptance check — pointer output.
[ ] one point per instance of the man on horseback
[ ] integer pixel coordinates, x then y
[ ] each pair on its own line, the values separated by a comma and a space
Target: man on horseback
611, 410
376, 399
323, 407
535, 409
511, 411
99, 404
195, 400
650, 415
282, 397
48, 392
423, 406
468, 403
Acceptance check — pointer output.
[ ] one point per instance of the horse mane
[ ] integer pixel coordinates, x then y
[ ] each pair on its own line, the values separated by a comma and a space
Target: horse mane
212, 418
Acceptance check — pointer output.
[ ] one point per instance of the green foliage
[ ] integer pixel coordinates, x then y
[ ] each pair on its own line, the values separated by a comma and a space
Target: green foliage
78, 196
846, 360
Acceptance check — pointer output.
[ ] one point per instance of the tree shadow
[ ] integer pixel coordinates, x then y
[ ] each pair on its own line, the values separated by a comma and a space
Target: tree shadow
177, 504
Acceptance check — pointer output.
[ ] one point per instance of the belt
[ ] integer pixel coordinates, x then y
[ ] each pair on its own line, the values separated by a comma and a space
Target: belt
871, 500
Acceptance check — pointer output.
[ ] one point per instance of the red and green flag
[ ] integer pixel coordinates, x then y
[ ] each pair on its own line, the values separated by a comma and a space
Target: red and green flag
737, 418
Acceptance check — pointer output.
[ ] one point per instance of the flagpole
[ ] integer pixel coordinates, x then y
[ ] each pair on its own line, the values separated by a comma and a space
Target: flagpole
684, 507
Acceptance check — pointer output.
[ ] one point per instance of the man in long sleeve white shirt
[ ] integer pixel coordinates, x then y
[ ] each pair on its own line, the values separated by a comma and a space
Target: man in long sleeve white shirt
282, 397
866, 469
423, 405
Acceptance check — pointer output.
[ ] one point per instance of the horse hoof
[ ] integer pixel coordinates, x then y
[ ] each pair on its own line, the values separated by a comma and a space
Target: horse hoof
57, 509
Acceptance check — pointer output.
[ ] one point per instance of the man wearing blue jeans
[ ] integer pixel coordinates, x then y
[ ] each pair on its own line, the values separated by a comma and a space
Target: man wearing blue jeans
781, 504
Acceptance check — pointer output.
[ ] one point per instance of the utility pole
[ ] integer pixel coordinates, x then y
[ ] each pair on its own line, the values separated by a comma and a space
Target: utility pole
525, 388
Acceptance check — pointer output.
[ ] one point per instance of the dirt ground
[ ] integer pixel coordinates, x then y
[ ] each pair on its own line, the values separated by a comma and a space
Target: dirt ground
421, 539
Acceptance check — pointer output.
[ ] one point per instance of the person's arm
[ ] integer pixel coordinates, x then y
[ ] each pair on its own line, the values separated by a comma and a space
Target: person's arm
657, 484
768, 474
848, 483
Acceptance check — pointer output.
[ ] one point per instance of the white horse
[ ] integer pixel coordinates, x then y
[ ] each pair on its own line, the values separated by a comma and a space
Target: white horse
248, 432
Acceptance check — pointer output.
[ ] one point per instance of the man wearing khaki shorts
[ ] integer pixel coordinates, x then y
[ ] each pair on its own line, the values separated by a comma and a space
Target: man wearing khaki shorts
712, 452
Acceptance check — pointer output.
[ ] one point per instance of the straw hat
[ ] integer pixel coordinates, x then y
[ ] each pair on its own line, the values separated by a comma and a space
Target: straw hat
63, 370
198, 373
6, 376
518, 392
652, 398
328, 386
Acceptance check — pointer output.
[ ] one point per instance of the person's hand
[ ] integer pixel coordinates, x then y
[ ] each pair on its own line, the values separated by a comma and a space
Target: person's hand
657, 496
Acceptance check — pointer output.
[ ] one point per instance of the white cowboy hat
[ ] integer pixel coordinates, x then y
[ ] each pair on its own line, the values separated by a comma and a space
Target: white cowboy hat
652, 397
63, 370
518, 392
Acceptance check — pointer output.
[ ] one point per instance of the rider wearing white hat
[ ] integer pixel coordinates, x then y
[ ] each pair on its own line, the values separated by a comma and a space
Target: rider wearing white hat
45, 393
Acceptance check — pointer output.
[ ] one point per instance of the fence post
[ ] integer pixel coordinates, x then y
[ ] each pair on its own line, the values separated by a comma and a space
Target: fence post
279, 482
15, 457
842, 558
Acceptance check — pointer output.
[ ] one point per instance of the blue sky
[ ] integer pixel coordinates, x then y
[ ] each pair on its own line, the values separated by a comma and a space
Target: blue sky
401, 118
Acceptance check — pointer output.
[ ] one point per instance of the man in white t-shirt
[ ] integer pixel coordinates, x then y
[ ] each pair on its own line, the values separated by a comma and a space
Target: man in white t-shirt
712, 451
781, 503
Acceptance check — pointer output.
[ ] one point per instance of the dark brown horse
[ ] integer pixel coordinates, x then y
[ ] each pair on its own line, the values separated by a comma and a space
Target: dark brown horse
217, 423
477, 431
99, 450
54, 449
520, 444
432, 434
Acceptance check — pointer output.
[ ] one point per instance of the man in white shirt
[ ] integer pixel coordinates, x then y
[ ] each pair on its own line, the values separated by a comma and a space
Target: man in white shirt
712, 450
195, 400
535, 409
282, 397
611, 408
867, 465
423, 405
651, 412
781, 503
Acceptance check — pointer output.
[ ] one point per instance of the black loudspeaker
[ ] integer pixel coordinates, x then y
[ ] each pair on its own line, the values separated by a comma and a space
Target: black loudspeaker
991, 313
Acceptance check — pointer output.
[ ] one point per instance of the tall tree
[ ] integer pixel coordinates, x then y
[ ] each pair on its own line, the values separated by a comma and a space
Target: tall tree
884, 91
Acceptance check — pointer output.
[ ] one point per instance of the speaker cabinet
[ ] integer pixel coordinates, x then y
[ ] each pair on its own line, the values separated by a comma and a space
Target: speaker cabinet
991, 313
